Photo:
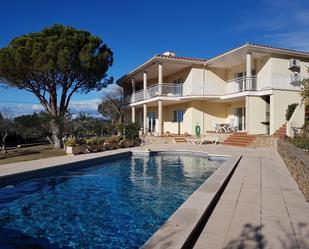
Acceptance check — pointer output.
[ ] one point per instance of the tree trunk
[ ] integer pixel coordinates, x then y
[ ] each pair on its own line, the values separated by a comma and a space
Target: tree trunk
50, 141
56, 134
4, 143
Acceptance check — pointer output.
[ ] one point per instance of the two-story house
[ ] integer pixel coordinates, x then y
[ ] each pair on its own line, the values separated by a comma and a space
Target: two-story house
248, 88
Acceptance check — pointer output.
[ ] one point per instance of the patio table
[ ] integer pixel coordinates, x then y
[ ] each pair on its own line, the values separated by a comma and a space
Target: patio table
223, 127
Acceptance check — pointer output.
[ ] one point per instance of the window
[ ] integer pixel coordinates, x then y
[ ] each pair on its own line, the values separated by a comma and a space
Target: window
178, 115
179, 80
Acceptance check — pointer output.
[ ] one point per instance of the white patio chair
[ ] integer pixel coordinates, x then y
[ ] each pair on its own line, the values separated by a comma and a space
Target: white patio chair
215, 126
232, 127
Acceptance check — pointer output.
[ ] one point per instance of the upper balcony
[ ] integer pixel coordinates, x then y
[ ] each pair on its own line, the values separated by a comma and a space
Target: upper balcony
236, 85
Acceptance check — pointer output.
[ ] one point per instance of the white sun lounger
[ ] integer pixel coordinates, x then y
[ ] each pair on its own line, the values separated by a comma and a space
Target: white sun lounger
202, 140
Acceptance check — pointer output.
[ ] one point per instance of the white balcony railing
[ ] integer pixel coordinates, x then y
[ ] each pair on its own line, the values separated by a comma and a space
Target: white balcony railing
236, 85
285, 82
241, 84
166, 89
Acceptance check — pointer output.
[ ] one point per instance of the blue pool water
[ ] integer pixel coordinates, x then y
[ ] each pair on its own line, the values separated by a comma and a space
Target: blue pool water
116, 204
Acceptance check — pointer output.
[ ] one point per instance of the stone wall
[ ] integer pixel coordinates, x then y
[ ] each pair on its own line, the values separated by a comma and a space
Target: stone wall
297, 162
265, 141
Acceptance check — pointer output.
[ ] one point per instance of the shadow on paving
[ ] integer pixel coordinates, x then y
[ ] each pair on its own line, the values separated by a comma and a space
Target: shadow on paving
252, 237
15, 239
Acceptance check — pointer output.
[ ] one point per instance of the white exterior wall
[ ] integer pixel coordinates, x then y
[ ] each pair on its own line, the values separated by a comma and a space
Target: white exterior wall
213, 84
263, 73
256, 114
279, 102
172, 127
215, 81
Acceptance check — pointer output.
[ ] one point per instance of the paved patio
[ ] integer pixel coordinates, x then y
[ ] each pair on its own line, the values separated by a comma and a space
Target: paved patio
261, 206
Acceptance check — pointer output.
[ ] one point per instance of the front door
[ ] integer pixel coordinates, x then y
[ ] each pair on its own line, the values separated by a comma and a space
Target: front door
240, 114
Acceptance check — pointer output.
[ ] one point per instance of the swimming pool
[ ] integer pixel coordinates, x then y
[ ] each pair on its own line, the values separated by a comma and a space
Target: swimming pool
112, 204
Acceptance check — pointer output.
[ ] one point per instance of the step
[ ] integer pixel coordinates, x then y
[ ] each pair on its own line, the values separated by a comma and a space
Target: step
180, 140
236, 144
280, 133
242, 135
239, 140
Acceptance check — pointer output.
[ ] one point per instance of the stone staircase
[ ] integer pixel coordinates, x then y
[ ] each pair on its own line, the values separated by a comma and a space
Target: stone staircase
179, 140
281, 132
239, 139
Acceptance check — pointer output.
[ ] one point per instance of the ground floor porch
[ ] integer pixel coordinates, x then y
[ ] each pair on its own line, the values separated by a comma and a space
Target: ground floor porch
251, 114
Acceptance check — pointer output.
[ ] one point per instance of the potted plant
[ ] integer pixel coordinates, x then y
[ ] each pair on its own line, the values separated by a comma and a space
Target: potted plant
92, 144
74, 146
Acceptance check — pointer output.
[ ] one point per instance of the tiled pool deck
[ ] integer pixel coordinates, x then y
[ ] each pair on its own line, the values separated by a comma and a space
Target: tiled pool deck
261, 206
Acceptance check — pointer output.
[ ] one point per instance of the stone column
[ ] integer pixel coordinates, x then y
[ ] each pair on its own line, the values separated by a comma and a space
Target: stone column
145, 118
133, 114
160, 77
248, 71
145, 84
160, 123
247, 115
133, 89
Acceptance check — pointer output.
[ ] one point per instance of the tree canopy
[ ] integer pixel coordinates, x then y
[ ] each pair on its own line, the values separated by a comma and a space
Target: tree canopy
110, 107
53, 65
305, 92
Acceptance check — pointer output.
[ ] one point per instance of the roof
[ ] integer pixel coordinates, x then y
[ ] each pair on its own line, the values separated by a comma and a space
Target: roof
294, 51
181, 58
200, 61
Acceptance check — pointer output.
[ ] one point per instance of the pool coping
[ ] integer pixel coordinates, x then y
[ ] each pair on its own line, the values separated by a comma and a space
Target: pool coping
44, 167
183, 228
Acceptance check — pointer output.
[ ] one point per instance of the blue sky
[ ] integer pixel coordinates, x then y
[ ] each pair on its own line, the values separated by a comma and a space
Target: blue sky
136, 30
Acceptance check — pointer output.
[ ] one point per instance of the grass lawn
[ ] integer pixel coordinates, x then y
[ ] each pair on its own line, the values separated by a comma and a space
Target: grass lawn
30, 153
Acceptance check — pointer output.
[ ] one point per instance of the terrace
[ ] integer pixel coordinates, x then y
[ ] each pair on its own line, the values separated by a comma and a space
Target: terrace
233, 86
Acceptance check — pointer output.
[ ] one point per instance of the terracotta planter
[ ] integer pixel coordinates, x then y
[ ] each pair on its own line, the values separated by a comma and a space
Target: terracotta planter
79, 149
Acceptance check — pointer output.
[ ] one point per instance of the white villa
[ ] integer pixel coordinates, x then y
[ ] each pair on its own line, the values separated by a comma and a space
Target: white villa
245, 89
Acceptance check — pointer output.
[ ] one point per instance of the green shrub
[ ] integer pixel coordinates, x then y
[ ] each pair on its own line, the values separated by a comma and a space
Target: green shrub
114, 139
71, 142
290, 110
92, 141
301, 142
101, 140
131, 131
120, 128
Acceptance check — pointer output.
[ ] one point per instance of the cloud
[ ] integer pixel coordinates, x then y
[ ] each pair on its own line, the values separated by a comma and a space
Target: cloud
281, 23
17, 109
90, 105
